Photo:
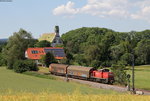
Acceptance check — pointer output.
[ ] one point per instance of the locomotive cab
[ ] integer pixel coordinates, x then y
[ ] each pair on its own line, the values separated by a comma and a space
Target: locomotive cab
103, 75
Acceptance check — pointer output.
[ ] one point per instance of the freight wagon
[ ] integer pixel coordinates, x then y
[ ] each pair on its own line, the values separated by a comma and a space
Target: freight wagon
80, 72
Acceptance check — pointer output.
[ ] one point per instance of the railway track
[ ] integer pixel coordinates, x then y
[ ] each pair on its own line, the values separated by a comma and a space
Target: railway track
96, 84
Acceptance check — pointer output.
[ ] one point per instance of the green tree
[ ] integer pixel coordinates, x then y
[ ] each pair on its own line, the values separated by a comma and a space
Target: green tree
69, 58
16, 47
126, 58
92, 53
43, 43
120, 73
116, 52
2, 61
80, 59
32, 43
143, 52
104, 46
48, 59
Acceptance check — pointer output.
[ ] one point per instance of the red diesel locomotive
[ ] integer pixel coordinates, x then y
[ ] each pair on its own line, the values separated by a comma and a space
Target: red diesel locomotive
80, 72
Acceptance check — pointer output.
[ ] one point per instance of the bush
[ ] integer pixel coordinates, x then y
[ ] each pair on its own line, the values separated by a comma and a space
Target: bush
24, 65
32, 65
120, 74
48, 59
20, 66
10, 64
2, 61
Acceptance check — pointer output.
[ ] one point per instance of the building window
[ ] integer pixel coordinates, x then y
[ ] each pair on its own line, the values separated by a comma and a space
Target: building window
34, 52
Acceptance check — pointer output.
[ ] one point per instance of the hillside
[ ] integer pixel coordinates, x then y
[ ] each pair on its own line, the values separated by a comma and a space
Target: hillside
14, 83
104, 47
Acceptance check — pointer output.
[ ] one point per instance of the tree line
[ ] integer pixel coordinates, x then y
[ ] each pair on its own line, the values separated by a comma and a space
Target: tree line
95, 47
100, 47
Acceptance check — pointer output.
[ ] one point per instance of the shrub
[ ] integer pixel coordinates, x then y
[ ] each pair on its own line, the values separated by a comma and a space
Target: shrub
120, 74
32, 65
24, 65
10, 64
20, 66
2, 61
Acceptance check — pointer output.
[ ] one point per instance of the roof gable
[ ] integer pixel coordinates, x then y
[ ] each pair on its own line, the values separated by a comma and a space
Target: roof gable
35, 53
48, 36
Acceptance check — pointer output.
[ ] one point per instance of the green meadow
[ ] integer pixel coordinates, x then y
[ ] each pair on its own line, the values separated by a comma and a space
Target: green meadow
15, 83
142, 77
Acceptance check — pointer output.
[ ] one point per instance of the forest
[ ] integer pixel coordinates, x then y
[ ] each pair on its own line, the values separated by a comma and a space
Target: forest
101, 47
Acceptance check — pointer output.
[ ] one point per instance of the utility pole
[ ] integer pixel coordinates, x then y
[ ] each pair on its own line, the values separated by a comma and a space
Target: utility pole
132, 34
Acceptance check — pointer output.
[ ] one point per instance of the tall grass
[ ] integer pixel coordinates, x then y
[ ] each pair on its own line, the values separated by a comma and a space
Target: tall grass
76, 96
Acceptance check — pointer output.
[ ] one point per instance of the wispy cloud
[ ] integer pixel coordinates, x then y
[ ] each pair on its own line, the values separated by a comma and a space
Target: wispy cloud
108, 8
144, 11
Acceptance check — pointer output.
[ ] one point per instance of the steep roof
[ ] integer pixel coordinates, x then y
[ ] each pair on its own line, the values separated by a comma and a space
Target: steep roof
48, 36
36, 53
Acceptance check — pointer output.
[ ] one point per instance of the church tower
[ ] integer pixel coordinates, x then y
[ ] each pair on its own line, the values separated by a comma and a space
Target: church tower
57, 31
57, 40
53, 38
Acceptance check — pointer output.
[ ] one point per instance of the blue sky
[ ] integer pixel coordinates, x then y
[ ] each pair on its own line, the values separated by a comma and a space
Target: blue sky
40, 16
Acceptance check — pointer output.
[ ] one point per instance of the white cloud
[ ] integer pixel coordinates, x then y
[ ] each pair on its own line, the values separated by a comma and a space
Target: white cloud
105, 8
65, 9
139, 9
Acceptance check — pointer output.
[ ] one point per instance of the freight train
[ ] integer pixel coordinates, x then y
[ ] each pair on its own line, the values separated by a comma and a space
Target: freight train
80, 72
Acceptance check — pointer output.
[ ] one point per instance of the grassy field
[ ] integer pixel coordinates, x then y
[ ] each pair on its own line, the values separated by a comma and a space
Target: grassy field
76, 96
13, 83
142, 77
21, 87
